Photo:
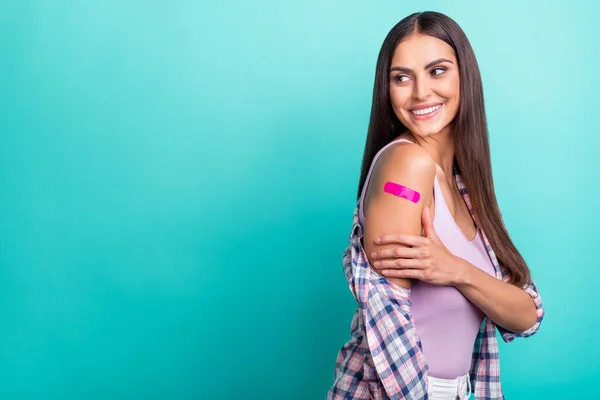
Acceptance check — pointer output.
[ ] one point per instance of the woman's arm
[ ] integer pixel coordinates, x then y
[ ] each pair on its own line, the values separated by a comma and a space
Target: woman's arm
508, 306
408, 165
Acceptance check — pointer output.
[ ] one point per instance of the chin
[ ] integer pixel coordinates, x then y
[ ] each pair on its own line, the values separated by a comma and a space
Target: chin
426, 132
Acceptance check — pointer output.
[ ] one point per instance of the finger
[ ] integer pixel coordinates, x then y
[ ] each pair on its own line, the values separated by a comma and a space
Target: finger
401, 238
399, 263
399, 252
427, 224
404, 273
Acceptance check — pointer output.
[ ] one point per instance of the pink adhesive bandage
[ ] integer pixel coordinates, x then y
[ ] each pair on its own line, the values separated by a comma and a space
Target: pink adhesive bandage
401, 191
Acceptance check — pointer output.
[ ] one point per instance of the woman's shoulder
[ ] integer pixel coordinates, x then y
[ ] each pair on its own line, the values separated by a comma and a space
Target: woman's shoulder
404, 157
405, 164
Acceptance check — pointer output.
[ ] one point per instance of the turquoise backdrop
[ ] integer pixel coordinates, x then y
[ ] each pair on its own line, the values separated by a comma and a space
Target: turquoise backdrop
177, 181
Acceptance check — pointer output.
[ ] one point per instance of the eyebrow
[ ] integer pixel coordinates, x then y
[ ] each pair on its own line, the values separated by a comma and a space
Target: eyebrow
431, 64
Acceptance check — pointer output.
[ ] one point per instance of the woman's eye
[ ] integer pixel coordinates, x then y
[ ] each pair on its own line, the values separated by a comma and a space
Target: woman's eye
442, 70
399, 78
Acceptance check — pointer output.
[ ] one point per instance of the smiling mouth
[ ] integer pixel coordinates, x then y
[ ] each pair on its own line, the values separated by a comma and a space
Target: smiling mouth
426, 111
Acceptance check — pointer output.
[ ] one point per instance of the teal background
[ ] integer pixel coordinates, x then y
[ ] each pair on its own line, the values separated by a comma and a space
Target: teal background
177, 183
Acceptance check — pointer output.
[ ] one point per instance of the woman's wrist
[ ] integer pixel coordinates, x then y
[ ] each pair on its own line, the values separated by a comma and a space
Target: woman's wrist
464, 272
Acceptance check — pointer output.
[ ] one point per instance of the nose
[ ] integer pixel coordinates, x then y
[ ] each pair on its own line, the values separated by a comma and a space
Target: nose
422, 90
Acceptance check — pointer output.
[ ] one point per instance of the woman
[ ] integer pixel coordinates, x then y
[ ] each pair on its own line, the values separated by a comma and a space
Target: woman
434, 273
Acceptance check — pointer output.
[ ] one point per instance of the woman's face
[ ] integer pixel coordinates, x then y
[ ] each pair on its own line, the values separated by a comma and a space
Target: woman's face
424, 85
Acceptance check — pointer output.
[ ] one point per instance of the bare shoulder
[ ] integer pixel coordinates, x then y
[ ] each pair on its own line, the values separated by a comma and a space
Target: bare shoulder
412, 156
405, 163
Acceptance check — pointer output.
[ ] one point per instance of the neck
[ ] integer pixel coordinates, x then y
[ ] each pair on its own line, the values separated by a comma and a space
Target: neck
440, 147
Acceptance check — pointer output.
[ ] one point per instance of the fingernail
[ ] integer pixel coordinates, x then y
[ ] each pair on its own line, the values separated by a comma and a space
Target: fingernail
374, 255
377, 240
376, 264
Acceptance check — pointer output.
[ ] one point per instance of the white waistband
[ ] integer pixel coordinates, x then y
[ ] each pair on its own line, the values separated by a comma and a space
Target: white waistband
460, 386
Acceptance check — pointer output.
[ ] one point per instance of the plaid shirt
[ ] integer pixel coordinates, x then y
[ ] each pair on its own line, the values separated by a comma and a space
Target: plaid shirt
384, 359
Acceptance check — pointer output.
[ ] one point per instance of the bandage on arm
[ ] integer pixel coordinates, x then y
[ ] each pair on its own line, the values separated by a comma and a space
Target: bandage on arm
401, 191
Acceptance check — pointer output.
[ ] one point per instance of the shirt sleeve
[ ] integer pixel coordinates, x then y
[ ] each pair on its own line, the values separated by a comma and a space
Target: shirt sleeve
393, 342
352, 375
509, 336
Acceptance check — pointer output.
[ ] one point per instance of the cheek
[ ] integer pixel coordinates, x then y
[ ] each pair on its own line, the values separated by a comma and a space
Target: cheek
453, 102
399, 97
395, 98
450, 89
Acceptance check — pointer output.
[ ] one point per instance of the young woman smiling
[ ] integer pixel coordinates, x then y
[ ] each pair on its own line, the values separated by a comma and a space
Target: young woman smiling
434, 277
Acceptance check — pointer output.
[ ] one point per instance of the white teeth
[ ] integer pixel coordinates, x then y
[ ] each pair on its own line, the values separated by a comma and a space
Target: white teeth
426, 110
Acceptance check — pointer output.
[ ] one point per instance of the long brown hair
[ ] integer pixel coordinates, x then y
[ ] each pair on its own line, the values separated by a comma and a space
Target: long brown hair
470, 134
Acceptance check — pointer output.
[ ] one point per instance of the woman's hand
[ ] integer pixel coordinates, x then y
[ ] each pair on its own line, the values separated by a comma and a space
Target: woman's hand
427, 260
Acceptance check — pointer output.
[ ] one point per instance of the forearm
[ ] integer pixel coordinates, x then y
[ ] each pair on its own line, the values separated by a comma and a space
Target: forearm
507, 305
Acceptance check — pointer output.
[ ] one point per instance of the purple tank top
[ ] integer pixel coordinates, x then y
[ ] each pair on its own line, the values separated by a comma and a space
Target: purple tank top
446, 321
